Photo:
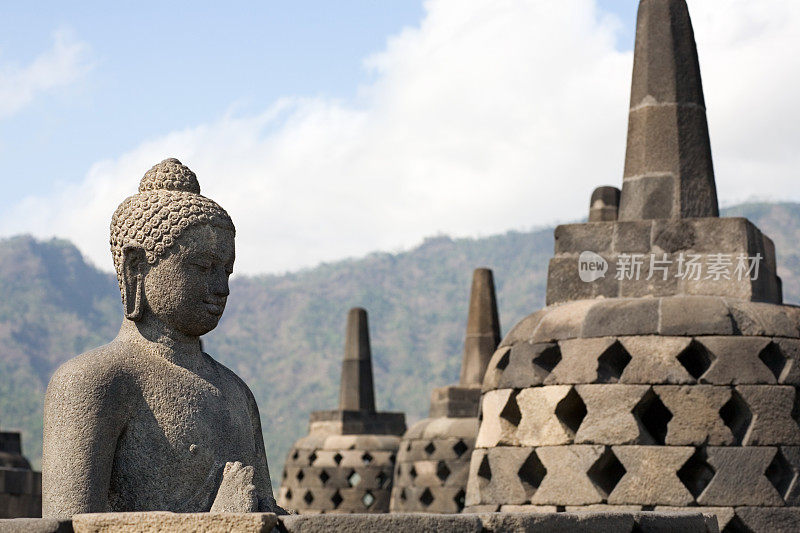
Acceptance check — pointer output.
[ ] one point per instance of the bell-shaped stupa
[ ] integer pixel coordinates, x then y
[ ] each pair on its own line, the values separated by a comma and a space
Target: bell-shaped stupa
433, 460
20, 486
662, 374
346, 462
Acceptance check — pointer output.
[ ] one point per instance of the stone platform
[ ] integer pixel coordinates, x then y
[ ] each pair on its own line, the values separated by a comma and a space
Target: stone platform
156, 522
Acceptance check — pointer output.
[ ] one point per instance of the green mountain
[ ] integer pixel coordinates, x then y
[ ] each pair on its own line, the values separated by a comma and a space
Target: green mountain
284, 334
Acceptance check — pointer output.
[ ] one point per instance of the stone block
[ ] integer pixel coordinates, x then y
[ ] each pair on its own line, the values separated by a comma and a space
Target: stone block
540, 426
343, 523
789, 477
416, 430
769, 520
529, 364
610, 415
635, 316
501, 416
723, 514
455, 401
522, 330
755, 318
695, 413
739, 477
156, 521
651, 475
497, 367
654, 359
567, 481
35, 525
528, 509
632, 236
503, 475
579, 360
772, 421
789, 349
559, 522
564, 283
575, 238
695, 315
676, 522
562, 321
735, 359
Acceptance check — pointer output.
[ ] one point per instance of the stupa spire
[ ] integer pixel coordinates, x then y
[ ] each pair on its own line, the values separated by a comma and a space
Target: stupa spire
357, 392
483, 328
668, 166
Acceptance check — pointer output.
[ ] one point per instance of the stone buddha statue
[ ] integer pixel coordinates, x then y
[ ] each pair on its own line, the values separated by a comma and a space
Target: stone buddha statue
150, 421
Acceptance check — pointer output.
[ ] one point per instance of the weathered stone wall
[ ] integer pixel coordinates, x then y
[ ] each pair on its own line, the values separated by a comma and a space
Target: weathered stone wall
154, 522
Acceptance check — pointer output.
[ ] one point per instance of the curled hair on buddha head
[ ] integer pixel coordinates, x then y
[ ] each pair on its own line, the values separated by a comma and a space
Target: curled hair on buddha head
168, 202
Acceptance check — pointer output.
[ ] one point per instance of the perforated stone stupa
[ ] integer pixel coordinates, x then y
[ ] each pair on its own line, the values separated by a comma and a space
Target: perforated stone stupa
20, 486
433, 461
346, 462
663, 372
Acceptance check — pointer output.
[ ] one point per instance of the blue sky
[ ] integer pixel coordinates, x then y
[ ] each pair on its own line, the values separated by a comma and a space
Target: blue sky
100, 92
160, 66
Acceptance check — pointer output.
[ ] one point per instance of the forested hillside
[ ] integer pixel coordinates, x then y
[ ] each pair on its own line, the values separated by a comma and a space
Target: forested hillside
284, 334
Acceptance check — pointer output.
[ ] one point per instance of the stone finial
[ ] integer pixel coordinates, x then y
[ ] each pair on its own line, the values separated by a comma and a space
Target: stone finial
604, 204
483, 328
668, 167
357, 392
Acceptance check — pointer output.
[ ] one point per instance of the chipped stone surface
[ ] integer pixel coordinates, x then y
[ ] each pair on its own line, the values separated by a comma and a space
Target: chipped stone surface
609, 418
158, 521
769, 520
650, 475
739, 477
772, 408
566, 482
579, 360
496, 428
695, 414
539, 425
736, 360
654, 360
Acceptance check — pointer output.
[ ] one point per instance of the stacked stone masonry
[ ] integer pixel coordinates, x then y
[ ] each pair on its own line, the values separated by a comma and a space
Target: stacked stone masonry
154, 522
20, 486
342, 473
644, 421
433, 464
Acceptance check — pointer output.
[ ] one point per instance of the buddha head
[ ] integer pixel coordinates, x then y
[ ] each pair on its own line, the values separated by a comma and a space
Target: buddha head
173, 251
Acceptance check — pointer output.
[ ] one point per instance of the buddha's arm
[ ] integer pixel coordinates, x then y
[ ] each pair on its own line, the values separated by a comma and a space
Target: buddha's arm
82, 422
261, 478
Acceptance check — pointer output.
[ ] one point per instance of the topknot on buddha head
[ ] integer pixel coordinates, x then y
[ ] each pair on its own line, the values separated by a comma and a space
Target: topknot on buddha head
168, 202
170, 175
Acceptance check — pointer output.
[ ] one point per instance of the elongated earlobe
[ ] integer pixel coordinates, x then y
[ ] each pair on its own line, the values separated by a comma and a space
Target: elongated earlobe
133, 281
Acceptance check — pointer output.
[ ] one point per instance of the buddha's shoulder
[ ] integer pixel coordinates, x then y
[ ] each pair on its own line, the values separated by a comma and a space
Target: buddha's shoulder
231, 377
112, 362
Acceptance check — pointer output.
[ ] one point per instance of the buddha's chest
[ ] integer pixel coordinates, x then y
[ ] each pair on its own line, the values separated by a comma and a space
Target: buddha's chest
186, 417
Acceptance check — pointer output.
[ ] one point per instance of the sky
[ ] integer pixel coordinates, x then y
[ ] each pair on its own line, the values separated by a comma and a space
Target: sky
334, 129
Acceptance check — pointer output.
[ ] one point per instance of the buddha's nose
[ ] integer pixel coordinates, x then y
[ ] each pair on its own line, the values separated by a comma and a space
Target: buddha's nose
220, 286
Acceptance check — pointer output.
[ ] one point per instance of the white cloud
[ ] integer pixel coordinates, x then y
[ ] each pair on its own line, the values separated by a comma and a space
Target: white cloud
60, 65
490, 115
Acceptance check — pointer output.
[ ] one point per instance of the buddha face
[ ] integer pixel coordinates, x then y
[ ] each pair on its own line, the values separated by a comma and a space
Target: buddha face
187, 288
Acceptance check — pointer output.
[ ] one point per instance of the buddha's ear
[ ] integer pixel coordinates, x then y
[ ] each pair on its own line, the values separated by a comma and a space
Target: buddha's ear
133, 265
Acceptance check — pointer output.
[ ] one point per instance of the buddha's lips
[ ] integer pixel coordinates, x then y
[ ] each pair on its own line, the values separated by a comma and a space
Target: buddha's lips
215, 308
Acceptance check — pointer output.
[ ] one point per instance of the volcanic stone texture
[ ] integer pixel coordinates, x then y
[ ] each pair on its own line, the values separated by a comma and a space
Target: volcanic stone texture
433, 460
668, 166
663, 249
20, 487
346, 462
704, 417
340, 473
